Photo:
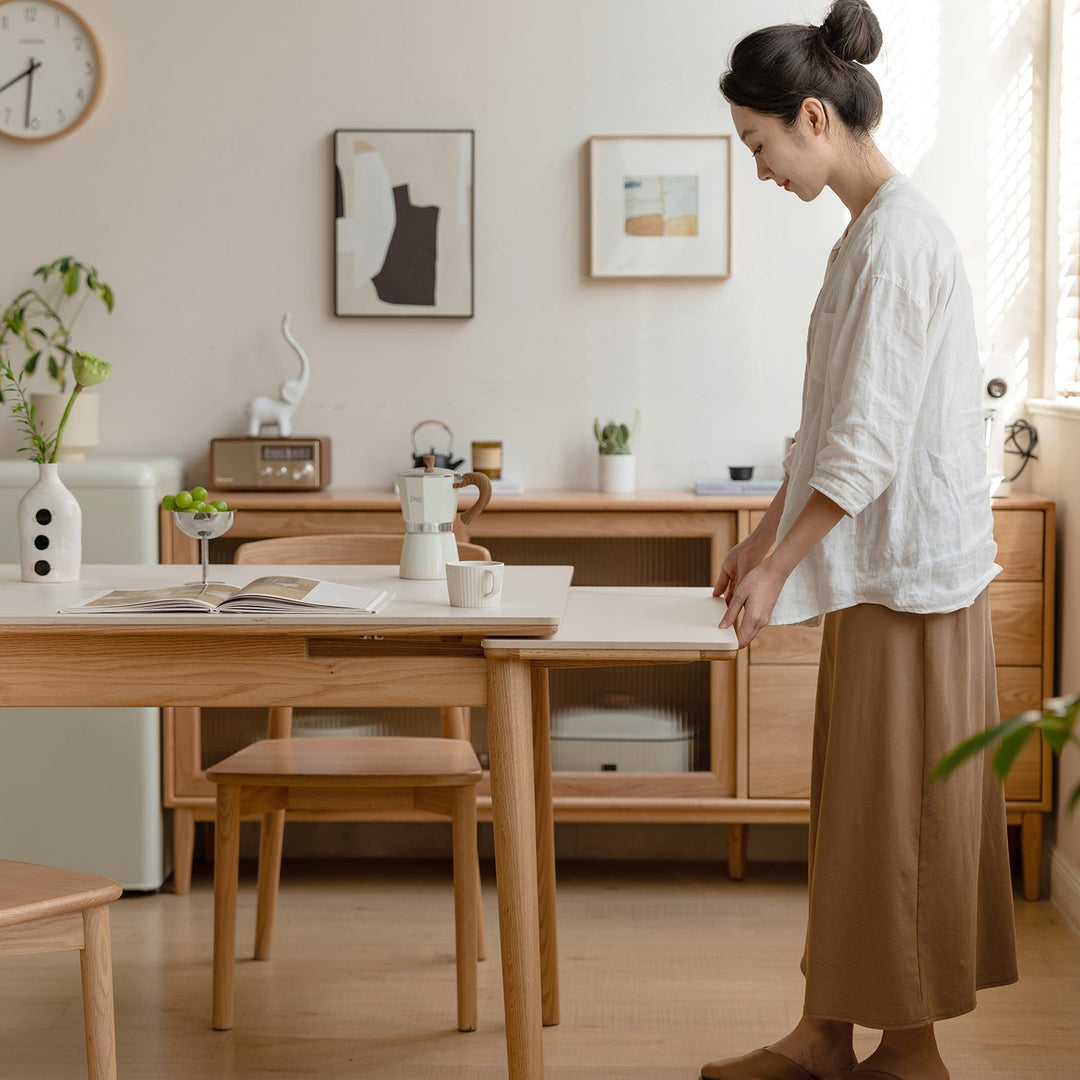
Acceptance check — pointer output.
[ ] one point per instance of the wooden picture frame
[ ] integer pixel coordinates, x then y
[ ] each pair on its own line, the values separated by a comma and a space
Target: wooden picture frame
660, 206
403, 223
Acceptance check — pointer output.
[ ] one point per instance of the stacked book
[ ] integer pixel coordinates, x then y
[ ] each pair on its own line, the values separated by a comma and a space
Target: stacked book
737, 487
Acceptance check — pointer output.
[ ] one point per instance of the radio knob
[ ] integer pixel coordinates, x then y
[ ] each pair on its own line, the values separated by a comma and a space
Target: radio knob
283, 470
305, 472
266, 470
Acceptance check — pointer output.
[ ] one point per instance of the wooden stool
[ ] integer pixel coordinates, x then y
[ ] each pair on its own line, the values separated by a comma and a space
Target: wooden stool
383, 773
47, 910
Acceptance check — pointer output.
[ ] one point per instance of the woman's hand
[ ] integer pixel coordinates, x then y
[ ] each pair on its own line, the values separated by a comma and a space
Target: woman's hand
740, 560
755, 597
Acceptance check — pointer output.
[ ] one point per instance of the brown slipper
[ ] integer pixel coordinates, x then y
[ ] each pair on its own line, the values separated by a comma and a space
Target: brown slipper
763, 1064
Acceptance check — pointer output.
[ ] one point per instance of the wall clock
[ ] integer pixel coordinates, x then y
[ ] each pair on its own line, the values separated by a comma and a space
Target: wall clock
50, 69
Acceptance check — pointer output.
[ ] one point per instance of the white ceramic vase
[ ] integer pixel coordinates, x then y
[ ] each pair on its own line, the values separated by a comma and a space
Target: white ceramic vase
50, 530
83, 429
618, 473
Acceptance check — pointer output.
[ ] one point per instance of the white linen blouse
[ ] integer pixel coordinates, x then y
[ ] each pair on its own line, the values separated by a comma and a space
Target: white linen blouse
892, 423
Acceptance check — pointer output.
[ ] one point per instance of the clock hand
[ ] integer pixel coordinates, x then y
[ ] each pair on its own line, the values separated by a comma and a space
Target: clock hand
30, 87
23, 75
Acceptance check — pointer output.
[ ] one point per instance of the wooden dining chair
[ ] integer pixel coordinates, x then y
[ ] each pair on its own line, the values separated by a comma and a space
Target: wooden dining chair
385, 773
358, 549
43, 909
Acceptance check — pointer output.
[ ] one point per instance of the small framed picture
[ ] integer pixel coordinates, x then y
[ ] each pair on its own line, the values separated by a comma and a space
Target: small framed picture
660, 206
403, 228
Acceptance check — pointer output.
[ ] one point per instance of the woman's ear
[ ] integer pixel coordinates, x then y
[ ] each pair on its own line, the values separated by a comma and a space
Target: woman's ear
814, 116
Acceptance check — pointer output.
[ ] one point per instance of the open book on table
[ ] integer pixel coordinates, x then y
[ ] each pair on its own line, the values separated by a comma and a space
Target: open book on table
278, 593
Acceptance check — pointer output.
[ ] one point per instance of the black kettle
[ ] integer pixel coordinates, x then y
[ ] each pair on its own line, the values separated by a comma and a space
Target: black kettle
442, 461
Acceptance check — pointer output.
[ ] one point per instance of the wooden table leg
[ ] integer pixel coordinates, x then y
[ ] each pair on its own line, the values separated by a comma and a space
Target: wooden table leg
226, 873
545, 847
514, 827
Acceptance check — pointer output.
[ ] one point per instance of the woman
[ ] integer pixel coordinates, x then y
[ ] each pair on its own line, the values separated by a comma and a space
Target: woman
883, 526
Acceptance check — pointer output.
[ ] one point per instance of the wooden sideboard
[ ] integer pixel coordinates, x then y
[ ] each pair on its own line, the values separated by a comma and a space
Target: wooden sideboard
749, 722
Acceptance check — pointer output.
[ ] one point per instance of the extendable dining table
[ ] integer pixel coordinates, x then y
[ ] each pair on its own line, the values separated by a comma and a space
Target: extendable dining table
418, 651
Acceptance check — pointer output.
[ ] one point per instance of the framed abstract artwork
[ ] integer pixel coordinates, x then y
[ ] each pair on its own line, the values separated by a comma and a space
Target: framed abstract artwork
403, 229
660, 206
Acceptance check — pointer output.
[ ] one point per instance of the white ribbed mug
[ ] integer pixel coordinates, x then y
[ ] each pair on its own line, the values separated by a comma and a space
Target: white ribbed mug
474, 584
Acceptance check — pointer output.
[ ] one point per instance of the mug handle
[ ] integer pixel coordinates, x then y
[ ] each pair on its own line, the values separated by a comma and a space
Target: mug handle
489, 592
484, 484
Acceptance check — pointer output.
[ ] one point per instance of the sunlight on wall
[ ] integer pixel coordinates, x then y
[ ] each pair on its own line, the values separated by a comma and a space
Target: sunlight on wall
1004, 15
907, 71
1067, 343
1009, 194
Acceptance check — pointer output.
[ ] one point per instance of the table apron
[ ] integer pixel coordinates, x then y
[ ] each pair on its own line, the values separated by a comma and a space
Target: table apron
225, 670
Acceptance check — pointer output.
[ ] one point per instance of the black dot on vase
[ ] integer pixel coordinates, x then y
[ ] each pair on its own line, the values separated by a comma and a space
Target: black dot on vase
41, 568
41, 542
43, 517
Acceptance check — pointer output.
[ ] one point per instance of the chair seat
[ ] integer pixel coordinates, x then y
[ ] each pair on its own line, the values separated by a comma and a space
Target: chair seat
340, 761
29, 892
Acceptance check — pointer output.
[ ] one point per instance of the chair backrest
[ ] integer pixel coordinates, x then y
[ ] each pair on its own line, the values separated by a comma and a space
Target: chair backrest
337, 549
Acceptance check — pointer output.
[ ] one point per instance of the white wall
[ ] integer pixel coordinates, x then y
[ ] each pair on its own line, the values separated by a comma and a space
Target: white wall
202, 189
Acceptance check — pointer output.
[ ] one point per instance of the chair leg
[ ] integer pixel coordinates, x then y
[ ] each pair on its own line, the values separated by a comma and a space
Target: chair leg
454, 722
183, 849
226, 873
95, 962
466, 902
271, 839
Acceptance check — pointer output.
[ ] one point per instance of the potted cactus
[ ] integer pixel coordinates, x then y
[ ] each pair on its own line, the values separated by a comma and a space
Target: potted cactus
617, 461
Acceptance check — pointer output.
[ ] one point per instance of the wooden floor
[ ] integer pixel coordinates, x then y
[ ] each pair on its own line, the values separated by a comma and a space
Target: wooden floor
663, 967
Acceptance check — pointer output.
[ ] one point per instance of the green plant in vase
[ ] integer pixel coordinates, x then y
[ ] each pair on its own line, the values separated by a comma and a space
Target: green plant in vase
617, 473
44, 446
39, 319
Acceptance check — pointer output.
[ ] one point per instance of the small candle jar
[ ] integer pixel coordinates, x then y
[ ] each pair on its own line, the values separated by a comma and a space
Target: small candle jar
487, 459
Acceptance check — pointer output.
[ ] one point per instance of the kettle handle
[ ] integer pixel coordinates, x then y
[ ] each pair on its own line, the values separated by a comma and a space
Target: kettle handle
484, 484
417, 427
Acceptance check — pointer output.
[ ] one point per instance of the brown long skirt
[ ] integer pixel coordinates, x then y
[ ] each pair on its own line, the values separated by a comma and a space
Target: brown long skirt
911, 907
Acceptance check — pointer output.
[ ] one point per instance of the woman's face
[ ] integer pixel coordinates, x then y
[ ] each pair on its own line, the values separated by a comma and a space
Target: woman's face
795, 158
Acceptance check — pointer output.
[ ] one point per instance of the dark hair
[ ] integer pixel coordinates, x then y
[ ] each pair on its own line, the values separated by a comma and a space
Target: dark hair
774, 70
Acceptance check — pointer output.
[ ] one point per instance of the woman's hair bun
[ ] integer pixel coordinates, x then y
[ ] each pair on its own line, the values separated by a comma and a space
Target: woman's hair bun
851, 30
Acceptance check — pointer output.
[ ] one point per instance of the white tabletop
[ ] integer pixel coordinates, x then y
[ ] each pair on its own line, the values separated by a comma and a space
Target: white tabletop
531, 596
634, 618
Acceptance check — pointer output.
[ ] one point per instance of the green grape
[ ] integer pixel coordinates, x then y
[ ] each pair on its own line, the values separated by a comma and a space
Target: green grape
168, 503
201, 508
220, 505
198, 494
182, 500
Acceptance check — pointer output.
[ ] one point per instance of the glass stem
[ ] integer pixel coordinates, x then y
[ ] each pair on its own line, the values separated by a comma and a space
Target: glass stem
204, 544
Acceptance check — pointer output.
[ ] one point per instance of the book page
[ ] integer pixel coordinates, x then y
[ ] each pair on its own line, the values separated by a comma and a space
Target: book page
192, 596
282, 591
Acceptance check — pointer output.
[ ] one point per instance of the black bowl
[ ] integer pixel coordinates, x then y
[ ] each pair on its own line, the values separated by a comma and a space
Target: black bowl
740, 472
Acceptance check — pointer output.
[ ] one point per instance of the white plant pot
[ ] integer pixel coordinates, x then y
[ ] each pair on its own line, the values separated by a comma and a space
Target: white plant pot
83, 430
50, 530
618, 473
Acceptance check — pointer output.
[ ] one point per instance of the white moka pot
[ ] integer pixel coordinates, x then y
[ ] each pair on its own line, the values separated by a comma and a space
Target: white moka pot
429, 506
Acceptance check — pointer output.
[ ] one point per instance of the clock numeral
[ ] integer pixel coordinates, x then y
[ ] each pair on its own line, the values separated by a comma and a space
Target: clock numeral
3, 22
7, 113
89, 68
61, 116
30, 14
80, 95
78, 42
35, 123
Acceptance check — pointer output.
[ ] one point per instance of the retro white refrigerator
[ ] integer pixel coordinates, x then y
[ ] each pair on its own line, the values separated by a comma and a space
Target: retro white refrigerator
81, 788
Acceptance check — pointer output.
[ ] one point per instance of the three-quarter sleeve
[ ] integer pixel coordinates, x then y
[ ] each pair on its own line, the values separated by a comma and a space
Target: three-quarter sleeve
875, 380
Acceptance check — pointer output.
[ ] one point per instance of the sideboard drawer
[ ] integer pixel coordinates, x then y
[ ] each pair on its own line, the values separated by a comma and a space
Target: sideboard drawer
1016, 614
1019, 536
781, 699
